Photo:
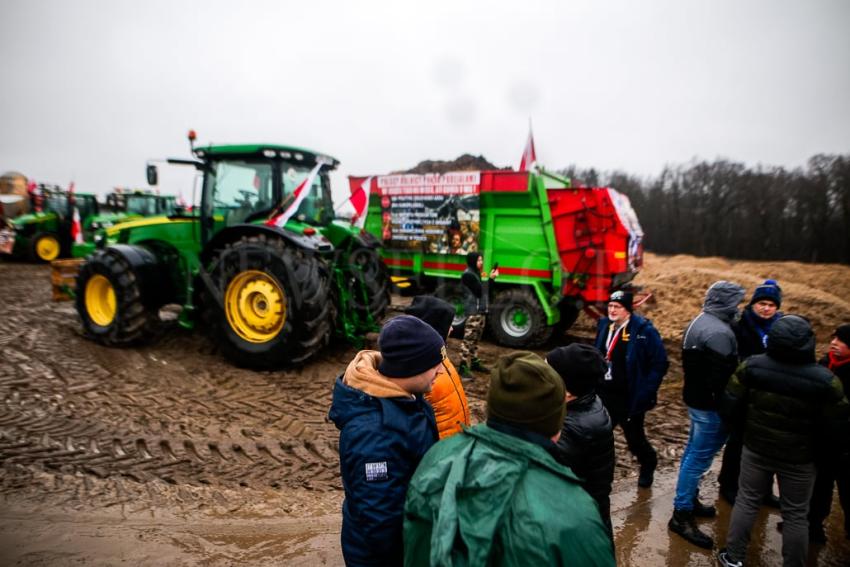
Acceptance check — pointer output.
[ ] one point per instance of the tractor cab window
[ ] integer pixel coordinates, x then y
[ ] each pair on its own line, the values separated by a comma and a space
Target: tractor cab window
238, 189
144, 205
56, 203
166, 205
86, 205
313, 207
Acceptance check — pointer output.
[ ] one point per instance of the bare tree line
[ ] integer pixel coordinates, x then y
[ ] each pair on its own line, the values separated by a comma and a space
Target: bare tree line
724, 208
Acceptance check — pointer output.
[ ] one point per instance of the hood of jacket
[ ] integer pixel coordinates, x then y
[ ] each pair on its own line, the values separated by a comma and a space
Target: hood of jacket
361, 388
791, 340
722, 299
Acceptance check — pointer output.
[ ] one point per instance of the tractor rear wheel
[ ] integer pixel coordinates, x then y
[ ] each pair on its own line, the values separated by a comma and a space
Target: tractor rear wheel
110, 303
276, 305
517, 320
372, 296
452, 292
45, 247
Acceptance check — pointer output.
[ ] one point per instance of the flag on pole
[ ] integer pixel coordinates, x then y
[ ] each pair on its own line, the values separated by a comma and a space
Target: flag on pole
76, 223
77, 227
300, 192
529, 157
359, 200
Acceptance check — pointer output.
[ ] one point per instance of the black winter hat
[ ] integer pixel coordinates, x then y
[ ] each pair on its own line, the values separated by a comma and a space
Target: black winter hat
527, 393
581, 367
472, 260
768, 290
434, 311
409, 347
624, 298
842, 333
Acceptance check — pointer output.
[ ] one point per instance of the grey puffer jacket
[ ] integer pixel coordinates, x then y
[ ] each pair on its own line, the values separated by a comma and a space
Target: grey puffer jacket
709, 348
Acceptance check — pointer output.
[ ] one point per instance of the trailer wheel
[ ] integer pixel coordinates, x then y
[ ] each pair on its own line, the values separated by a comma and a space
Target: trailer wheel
45, 247
452, 292
276, 303
517, 320
110, 303
372, 296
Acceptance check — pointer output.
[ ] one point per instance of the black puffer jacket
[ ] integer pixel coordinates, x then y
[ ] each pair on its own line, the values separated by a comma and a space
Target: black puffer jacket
587, 446
788, 407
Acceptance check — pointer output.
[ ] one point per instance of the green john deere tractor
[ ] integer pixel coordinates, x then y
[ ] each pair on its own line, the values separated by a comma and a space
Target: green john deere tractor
271, 296
46, 234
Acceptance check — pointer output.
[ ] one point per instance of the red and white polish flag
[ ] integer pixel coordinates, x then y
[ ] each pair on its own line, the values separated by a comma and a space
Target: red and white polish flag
300, 192
529, 156
77, 227
359, 200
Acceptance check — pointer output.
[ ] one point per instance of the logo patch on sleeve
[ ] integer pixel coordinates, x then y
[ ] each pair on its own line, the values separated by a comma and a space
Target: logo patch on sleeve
376, 471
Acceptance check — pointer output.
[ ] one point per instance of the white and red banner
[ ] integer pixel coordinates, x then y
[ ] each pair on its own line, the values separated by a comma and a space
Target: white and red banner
300, 193
455, 183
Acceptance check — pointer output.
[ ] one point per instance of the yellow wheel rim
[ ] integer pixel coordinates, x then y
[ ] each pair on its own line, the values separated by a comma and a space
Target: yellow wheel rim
100, 300
255, 306
47, 248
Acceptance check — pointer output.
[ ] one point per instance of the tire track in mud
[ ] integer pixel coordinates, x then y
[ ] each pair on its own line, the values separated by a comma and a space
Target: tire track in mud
172, 412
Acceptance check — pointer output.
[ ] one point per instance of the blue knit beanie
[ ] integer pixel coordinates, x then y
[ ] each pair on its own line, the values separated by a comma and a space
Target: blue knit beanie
768, 290
409, 346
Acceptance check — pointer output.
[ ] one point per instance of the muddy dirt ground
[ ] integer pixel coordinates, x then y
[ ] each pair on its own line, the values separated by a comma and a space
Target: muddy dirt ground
168, 455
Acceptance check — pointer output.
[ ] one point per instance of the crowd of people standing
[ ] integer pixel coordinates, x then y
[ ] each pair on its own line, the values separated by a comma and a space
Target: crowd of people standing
532, 484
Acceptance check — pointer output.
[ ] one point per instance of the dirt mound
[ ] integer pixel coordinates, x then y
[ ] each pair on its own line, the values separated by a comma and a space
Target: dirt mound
466, 162
820, 292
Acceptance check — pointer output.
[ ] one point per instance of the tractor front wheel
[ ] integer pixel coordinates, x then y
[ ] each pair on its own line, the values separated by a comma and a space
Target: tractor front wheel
517, 320
276, 306
110, 303
45, 247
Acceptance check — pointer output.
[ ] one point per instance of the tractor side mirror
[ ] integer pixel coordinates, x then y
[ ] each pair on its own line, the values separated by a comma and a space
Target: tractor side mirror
153, 175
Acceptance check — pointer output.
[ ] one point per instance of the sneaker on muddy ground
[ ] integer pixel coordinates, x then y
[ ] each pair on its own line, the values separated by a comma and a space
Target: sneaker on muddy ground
477, 366
724, 561
684, 524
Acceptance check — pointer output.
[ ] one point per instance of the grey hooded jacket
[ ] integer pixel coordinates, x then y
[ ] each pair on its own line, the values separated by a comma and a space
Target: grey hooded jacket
709, 348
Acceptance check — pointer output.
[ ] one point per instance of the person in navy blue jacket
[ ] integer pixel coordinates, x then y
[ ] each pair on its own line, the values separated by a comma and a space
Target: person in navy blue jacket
386, 427
636, 364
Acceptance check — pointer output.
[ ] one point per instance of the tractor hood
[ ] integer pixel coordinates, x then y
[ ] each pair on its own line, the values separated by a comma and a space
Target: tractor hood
113, 231
31, 218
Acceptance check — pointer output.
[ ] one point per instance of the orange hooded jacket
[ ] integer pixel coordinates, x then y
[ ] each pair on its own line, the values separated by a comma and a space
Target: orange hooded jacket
449, 401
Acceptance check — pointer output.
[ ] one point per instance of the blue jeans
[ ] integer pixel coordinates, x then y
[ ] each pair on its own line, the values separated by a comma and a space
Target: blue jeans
706, 438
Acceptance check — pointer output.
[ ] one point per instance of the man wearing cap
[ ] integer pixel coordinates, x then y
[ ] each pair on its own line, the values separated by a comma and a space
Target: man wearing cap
587, 438
385, 428
709, 357
790, 409
447, 397
837, 470
494, 495
751, 330
475, 306
636, 363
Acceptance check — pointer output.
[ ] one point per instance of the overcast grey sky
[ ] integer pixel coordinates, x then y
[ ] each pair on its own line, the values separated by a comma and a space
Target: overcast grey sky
92, 89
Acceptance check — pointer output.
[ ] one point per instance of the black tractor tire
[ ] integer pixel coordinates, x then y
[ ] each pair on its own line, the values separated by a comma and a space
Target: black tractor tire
132, 322
517, 320
37, 247
256, 276
372, 296
452, 292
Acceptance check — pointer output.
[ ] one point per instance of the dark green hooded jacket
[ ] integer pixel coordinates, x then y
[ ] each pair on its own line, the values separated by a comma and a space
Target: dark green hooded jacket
484, 497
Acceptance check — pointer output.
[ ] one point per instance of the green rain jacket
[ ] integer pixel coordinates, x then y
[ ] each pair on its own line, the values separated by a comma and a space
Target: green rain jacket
484, 497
